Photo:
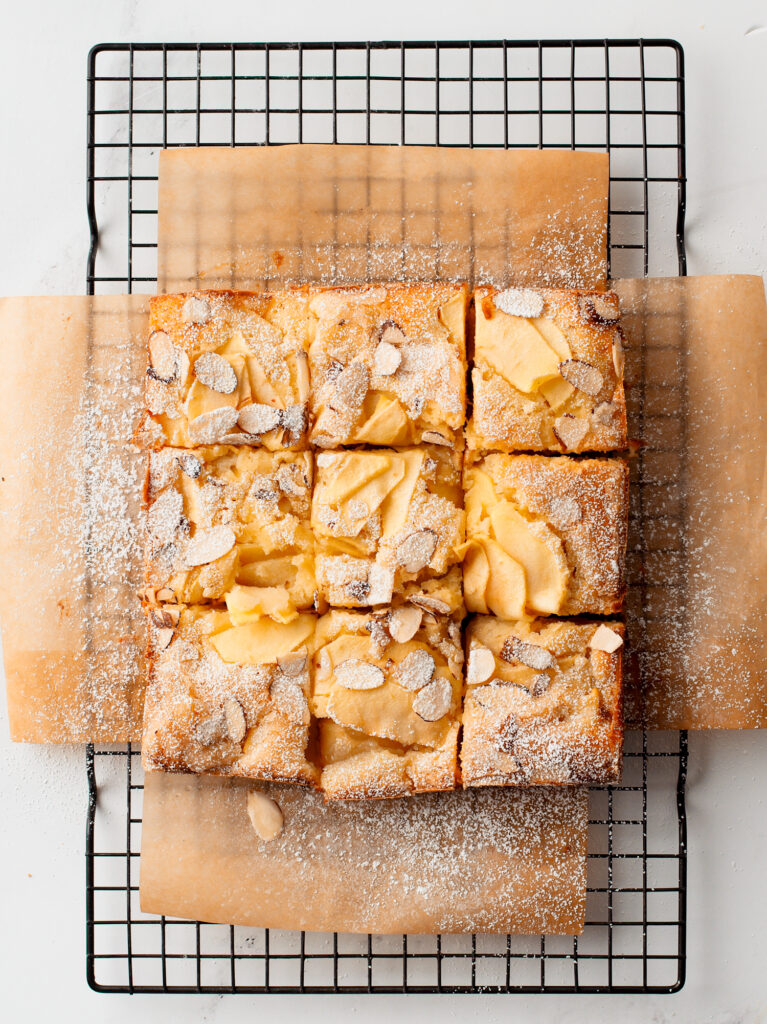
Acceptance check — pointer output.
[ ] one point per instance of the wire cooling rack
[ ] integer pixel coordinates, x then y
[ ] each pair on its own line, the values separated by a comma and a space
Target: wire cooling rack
625, 97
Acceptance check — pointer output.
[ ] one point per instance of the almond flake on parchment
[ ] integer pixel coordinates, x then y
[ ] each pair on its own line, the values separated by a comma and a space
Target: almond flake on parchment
265, 815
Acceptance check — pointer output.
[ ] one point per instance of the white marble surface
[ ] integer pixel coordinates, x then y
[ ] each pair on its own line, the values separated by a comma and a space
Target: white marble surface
43, 48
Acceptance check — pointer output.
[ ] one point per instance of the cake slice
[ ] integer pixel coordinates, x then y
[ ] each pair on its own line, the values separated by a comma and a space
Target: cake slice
547, 371
543, 702
387, 692
388, 365
230, 523
227, 699
227, 368
544, 535
384, 519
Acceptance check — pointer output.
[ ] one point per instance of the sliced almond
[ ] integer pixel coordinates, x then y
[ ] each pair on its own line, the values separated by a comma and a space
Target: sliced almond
165, 596
379, 636
351, 385
355, 674
163, 637
265, 815
195, 310
235, 720
541, 683
358, 590
391, 333
302, 376
416, 550
294, 663
571, 430
163, 358
208, 545
583, 376
430, 604
386, 359
434, 437
165, 617
404, 623
288, 694
291, 480
258, 418
210, 426
239, 439
433, 701
480, 665
619, 356
531, 655
415, 670
564, 510
190, 465
211, 730
520, 302
215, 373
294, 419
605, 639
601, 308
605, 412
324, 663
380, 584
507, 733
165, 516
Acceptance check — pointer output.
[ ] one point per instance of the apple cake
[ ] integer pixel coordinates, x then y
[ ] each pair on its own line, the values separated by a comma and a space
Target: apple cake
388, 365
383, 519
227, 367
543, 702
230, 523
386, 692
544, 535
547, 371
227, 699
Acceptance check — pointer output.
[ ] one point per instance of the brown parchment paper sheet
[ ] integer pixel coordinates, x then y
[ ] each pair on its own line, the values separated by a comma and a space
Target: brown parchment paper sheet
258, 217
483, 861
72, 371
697, 395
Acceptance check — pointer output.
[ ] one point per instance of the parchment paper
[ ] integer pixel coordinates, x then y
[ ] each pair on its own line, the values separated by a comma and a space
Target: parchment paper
69, 558
483, 861
257, 217
698, 555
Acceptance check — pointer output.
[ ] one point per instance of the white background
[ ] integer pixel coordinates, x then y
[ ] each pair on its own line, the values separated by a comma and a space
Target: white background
43, 49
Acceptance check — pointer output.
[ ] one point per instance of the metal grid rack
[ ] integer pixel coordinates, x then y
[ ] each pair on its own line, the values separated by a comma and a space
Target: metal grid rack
621, 96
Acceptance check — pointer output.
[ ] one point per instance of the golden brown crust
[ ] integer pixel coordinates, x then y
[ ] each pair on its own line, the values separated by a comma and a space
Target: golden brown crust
518, 416
384, 519
374, 743
254, 349
207, 715
388, 365
578, 508
259, 500
549, 712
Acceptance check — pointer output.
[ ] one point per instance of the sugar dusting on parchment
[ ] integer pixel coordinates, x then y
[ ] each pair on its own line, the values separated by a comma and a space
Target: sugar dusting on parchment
695, 553
480, 860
